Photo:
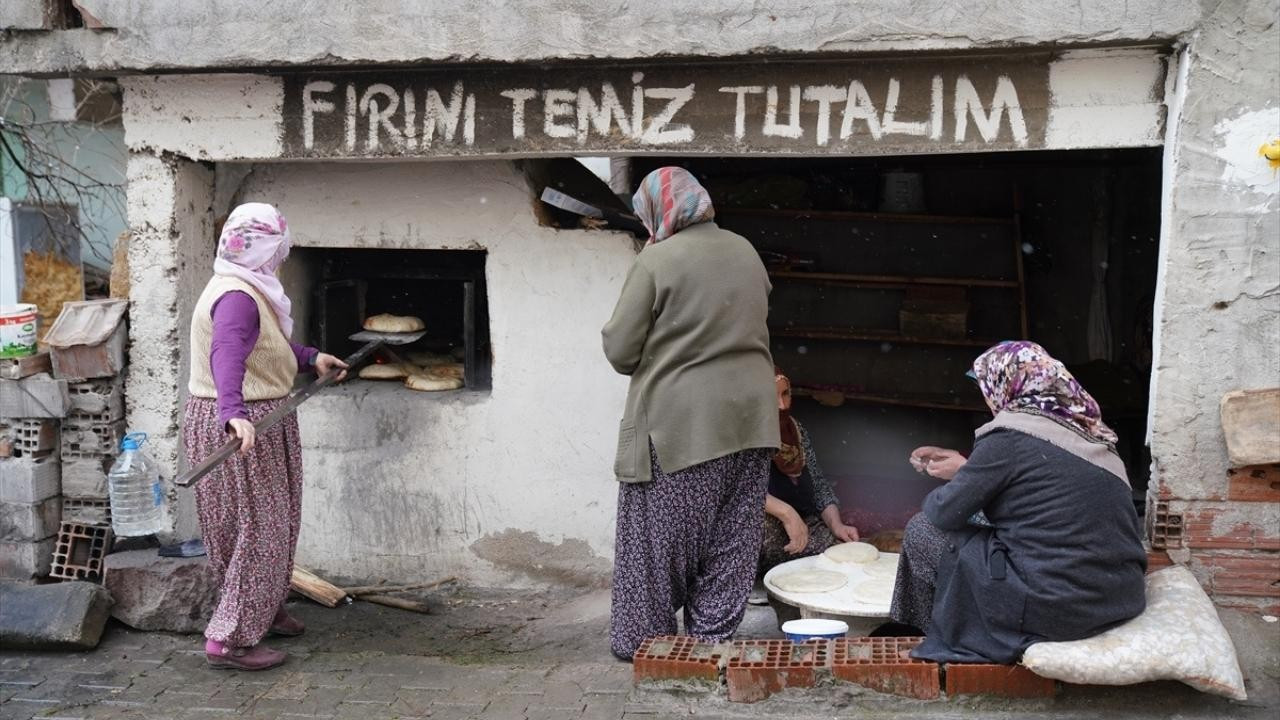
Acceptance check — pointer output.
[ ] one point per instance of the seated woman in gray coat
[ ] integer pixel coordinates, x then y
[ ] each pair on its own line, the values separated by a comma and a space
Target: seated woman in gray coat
1034, 537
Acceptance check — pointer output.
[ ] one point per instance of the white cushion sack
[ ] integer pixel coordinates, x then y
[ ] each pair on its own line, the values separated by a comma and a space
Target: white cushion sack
1177, 637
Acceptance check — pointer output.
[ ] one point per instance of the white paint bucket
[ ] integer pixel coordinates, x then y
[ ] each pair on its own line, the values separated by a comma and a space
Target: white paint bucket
17, 331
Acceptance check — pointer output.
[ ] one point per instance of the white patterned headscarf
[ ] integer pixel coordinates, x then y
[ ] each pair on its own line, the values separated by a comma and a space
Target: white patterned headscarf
253, 245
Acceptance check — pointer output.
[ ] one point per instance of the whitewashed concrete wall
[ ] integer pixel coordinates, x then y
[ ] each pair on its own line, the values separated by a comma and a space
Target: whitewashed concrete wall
508, 486
1218, 298
170, 256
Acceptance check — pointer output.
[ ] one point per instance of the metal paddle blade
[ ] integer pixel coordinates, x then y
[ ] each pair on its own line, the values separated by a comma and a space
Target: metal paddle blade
388, 338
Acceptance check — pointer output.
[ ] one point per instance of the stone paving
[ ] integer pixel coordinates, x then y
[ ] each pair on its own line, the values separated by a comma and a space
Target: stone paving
531, 658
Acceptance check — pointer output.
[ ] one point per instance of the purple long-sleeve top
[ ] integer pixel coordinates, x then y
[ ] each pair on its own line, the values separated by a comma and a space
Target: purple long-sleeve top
235, 332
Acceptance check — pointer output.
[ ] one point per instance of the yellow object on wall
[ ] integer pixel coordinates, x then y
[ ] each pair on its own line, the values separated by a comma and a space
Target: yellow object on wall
1271, 151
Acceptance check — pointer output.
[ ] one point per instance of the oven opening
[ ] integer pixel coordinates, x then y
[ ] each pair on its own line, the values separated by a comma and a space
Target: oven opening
444, 288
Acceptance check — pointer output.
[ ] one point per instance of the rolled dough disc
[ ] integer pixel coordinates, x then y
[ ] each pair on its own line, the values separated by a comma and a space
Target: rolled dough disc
884, 567
811, 581
385, 371
856, 553
393, 323
432, 383
874, 591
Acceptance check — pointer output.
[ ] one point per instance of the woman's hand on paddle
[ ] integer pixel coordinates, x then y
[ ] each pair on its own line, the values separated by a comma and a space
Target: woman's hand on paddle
326, 362
243, 429
937, 462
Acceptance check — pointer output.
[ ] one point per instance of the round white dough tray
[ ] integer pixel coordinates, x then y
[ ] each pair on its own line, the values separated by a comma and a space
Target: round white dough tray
839, 603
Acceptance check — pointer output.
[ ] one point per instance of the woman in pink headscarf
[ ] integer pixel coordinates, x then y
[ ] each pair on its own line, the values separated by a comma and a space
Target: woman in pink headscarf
243, 365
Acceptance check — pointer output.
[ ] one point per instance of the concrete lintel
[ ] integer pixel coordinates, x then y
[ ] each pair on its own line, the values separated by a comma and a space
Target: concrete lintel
185, 36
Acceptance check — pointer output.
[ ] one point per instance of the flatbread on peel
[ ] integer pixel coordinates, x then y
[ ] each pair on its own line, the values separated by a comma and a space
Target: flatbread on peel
856, 553
810, 581
393, 323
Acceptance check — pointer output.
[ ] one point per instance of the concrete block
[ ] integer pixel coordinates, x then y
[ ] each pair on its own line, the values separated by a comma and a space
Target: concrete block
98, 396
18, 368
38, 396
27, 480
85, 478
1012, 681
91, 439
79, 551
25, 560
1251, 424
62, 616
86, 511
30, 437
158, 593
30, 522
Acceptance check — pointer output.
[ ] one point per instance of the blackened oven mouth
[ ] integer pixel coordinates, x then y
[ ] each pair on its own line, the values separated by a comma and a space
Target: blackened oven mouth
445, 289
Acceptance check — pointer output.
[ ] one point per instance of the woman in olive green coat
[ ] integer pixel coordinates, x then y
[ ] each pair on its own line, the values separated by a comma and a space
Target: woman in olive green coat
700, 424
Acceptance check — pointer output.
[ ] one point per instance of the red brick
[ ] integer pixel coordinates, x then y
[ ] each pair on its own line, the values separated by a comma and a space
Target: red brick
1157, 560
763, 667
1203, 529
1253, 575
885, 665
675, 658
1256, 483
1012, 681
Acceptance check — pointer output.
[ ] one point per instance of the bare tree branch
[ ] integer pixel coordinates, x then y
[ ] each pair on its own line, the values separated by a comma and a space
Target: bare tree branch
59, 186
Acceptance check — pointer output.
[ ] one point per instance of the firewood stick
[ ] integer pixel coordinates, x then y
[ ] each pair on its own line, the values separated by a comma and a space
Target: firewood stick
397, 603
315, 587
369, 589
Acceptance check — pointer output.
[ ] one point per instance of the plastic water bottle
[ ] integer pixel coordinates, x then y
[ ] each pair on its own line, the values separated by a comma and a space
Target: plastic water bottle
137, 497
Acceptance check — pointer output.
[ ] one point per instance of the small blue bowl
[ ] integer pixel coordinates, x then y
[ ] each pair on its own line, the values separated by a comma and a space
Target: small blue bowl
799, 631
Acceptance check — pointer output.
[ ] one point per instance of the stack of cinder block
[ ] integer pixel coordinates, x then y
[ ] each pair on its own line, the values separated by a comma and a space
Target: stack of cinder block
32, 403
87, 349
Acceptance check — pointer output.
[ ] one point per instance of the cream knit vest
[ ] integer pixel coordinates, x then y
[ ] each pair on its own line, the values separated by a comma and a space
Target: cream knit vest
271, 366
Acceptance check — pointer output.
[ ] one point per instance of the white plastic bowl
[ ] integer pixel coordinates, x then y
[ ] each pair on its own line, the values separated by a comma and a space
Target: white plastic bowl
814, 629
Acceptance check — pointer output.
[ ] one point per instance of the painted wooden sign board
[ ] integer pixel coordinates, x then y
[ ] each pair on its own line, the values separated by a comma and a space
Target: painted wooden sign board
911, 106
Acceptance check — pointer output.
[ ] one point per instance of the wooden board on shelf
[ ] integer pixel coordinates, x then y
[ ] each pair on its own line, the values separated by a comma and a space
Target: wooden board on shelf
889, 280
894, 400
870, 335
873, 216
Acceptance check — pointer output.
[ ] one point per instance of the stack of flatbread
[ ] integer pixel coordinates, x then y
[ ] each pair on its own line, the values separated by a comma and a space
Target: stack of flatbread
425, 371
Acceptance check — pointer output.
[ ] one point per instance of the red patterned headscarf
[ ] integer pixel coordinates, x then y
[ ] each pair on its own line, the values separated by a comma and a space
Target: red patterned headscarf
1021, 376
669, 200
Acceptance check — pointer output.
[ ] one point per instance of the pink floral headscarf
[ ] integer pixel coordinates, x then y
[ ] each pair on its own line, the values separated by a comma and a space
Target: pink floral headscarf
253, 245
1021, 376
669, 200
